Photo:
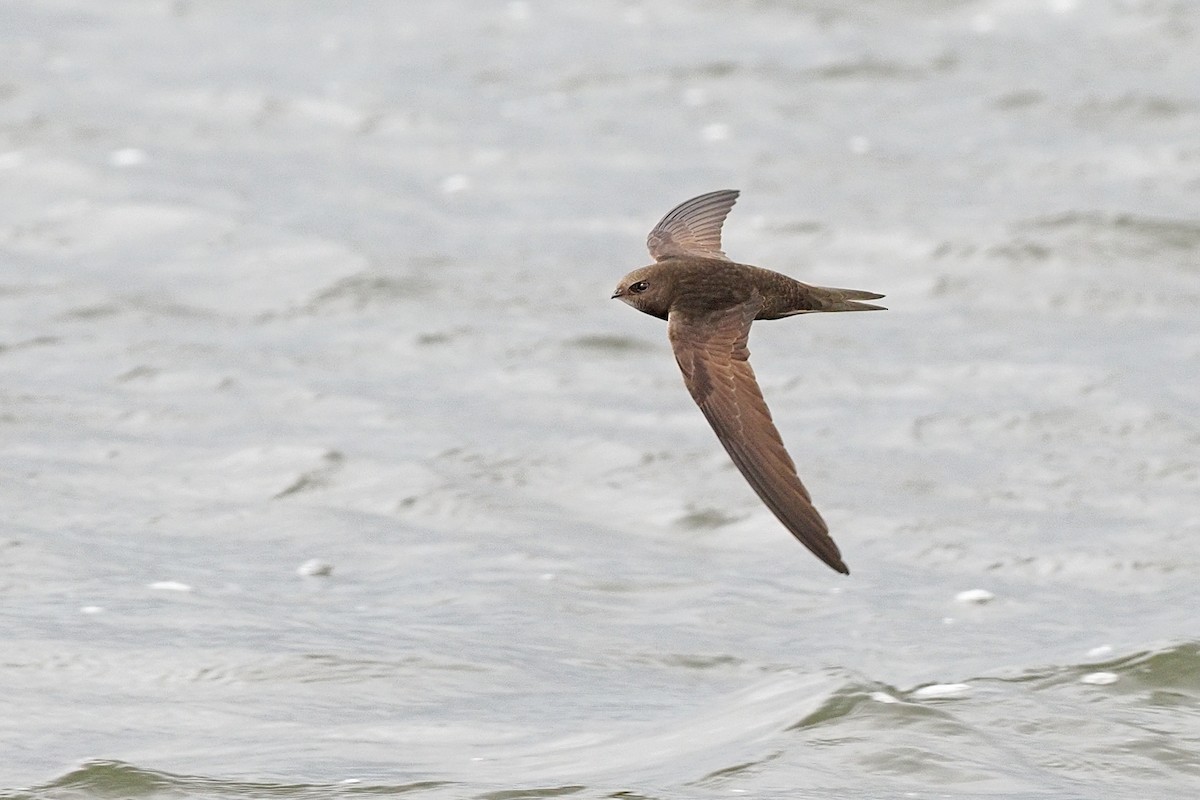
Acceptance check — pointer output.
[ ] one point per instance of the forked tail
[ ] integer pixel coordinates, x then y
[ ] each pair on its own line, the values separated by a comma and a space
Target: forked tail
844, 299
806, 299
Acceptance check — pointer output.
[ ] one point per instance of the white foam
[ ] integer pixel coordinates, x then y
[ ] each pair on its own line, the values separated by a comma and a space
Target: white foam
170, 586
941, 691
127, 157
1100, 678
453, 184
315, 567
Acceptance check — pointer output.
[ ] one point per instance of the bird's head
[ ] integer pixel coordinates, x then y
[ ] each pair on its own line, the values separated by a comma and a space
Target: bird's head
647, 289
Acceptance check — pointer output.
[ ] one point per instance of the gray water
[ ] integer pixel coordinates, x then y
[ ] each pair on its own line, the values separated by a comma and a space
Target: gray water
284, 282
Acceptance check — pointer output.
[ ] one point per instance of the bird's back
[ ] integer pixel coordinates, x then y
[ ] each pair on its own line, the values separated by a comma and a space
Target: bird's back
706, 285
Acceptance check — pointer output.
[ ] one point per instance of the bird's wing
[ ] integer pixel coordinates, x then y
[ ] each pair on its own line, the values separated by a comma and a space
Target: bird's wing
712, 353
693, 228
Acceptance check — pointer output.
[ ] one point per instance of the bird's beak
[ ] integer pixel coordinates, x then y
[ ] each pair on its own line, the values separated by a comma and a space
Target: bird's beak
616, 294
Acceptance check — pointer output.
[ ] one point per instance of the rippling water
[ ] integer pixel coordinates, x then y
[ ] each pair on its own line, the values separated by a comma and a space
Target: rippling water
323, 289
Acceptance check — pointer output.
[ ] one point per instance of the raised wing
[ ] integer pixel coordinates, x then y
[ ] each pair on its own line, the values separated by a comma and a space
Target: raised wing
693, 228
712, 353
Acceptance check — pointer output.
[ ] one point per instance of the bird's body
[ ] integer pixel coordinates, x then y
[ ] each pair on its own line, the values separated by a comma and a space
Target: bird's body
709, 303
703, 285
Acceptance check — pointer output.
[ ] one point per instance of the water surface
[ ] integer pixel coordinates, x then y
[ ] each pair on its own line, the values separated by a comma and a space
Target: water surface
331, 282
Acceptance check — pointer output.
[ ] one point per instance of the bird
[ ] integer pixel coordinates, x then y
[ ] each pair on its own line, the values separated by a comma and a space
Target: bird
709, 303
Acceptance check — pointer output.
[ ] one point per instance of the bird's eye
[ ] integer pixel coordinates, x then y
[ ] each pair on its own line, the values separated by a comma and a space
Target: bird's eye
639, 287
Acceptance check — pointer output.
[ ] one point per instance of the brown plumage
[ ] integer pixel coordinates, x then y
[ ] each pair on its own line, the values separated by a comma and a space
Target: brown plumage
709, 303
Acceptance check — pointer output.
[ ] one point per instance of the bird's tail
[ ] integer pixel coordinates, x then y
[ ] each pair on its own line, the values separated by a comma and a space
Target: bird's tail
826, 299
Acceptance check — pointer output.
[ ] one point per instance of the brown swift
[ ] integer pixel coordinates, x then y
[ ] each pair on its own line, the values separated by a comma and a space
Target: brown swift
709, 302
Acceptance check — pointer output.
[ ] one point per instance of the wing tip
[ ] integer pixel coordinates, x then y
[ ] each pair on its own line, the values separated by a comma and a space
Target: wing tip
830, 557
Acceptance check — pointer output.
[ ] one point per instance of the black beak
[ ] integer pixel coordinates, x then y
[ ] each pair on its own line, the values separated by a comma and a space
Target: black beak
616, 294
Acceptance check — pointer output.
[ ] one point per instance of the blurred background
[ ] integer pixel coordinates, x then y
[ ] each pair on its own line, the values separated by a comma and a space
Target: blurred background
327, 466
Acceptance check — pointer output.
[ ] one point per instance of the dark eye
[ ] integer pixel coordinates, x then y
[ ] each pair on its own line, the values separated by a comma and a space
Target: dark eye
639, 287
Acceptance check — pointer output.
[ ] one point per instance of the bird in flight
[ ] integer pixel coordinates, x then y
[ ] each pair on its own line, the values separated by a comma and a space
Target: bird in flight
709, 303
